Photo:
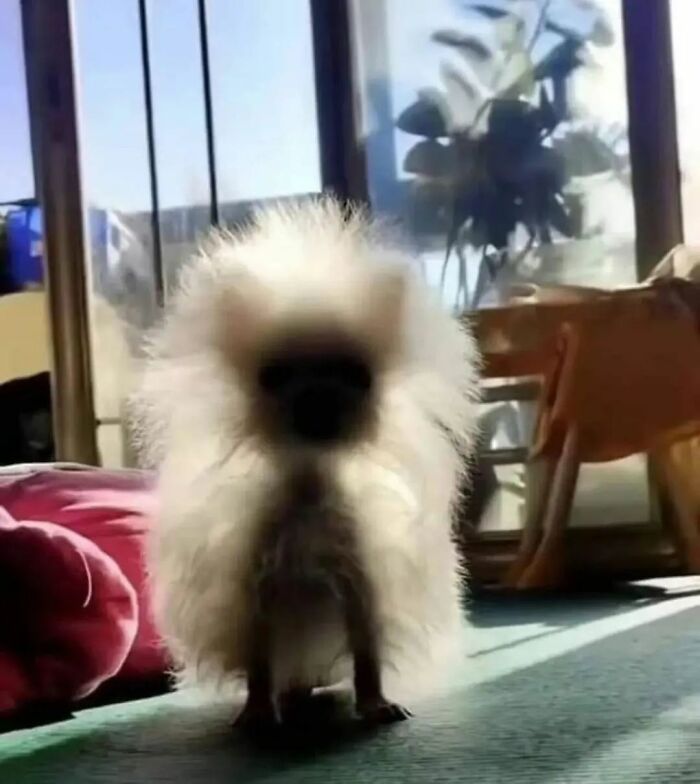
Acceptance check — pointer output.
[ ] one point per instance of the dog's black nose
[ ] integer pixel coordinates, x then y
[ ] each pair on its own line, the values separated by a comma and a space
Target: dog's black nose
318, 399
321, 413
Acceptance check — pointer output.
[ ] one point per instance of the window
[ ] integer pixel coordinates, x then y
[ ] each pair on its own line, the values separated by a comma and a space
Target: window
25, 387
16, 172
118, 201
179, 128
496, 131
264, 101
256, 139
685, 17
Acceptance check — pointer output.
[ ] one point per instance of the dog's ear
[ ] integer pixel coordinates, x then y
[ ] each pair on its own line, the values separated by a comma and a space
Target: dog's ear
241, 311
385, 304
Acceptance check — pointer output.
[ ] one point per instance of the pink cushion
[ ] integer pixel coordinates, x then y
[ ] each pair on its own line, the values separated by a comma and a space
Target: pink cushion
68, 617
54, 644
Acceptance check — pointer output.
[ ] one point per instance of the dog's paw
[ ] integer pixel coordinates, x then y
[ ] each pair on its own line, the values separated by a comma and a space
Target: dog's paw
258, 718
381, 711
296, 703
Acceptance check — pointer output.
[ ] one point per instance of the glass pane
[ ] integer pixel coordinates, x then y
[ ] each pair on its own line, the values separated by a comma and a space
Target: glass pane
266, 144
685, 16
16, 173
497, 132
180, 129
264, 101
117, 192
25, 384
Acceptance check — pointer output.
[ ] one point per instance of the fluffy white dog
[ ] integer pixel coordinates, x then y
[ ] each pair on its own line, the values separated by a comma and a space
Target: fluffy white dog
310, 408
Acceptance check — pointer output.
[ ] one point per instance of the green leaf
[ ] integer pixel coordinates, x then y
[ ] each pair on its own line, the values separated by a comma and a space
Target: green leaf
429, 159
509, 34
426, 117
560, 62
455, 78
585, 154
463, 42
518, 79
492, 9
581, 20
464, 95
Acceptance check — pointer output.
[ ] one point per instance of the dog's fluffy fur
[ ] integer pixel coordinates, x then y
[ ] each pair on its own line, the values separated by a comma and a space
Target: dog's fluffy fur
324, 268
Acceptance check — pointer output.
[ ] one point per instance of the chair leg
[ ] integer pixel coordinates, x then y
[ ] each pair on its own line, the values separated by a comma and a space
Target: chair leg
538, 482
546, 569
685, 515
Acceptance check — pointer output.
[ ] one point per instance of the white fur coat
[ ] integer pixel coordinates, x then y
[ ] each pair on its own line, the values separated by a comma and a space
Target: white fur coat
307, 261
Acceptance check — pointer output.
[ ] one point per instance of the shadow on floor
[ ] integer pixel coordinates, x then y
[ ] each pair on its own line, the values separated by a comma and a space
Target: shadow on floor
612, 710
496, 607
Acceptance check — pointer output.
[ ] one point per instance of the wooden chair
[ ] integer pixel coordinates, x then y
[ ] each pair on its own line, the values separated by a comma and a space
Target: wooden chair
676, 466
518, 351
617, 379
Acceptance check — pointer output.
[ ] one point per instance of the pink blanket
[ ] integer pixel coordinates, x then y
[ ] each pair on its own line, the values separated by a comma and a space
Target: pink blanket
74, 609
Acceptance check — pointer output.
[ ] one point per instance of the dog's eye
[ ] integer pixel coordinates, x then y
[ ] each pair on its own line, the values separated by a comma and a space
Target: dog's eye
308, 370
353, 373
274, 376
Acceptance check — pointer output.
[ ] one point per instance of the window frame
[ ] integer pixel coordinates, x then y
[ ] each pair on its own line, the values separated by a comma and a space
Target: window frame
335, 28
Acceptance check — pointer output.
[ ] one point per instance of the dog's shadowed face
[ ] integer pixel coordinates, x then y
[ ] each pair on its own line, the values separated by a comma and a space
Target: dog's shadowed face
312, 374
315, 391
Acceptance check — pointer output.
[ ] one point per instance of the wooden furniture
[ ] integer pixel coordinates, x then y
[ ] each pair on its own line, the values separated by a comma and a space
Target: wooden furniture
620, 374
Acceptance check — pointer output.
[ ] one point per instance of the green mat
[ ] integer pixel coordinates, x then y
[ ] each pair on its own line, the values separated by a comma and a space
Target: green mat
580, 689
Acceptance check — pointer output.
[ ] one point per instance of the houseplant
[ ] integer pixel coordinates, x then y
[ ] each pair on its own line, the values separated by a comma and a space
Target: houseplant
500, 145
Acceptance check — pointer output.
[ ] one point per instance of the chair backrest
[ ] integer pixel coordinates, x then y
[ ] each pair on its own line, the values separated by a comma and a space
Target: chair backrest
622, 366
519, 340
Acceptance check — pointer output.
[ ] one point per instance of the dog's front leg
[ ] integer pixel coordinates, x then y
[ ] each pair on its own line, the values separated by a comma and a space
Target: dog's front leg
261, 711
371, 704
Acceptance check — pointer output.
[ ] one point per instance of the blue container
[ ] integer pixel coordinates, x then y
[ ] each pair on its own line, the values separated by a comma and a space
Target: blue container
25, 243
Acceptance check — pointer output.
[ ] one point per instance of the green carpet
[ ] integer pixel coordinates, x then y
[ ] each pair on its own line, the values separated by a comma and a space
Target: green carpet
577, 689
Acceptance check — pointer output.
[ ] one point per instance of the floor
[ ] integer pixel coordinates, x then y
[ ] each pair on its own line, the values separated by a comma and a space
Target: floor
558, 690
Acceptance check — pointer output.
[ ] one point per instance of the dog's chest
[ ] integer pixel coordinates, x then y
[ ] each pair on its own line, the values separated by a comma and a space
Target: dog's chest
308, 546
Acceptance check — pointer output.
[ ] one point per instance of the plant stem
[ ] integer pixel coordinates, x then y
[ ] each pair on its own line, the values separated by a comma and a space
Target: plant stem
538, 26
496, 86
